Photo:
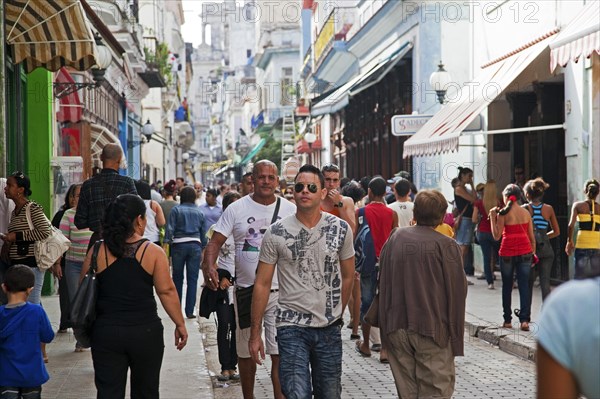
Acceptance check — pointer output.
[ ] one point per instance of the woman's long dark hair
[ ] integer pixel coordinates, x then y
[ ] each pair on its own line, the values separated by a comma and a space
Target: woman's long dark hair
513, 192
70, 191
118, 221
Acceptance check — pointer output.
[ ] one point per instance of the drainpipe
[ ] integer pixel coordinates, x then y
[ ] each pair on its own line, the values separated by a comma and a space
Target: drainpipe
2, 99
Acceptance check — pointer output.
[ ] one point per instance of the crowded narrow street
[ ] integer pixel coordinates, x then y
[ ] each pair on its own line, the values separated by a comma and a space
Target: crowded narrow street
486, 371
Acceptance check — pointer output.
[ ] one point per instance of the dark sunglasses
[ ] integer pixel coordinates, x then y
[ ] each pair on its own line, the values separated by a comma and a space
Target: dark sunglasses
312, 187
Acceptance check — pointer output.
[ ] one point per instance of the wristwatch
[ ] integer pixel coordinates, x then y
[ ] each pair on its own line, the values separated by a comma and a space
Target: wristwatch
339, 205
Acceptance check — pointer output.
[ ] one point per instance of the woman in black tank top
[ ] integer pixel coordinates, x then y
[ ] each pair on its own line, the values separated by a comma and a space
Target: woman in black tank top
127, 333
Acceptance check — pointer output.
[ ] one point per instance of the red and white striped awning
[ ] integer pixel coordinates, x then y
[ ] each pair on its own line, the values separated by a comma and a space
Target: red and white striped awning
581, 37
70, 108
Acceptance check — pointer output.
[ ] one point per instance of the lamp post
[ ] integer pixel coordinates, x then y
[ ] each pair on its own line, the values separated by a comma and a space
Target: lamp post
148, 130
439, 80
310, 138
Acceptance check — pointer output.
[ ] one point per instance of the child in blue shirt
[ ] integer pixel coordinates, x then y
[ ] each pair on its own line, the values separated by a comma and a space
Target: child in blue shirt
23, 326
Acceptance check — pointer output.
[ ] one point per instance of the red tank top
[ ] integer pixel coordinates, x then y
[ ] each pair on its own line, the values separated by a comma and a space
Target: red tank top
515, 240
380, 219
335, 211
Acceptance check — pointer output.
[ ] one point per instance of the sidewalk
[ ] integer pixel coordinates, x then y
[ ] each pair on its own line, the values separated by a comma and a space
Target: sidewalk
484, 318
183, 375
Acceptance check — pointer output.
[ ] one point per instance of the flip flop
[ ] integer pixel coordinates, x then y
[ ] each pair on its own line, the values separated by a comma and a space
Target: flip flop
359, 351
384, 361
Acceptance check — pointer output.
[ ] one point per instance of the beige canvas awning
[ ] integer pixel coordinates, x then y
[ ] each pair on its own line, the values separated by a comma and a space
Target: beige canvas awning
441, 133
49, 34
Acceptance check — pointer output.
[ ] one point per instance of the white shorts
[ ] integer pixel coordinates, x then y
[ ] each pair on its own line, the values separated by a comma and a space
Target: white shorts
242, 336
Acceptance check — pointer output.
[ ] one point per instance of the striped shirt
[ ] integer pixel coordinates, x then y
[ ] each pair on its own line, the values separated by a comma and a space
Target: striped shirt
79, 238
22, 248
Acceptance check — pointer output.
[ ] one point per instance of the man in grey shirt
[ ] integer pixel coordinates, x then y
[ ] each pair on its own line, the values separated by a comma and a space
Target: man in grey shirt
314, 254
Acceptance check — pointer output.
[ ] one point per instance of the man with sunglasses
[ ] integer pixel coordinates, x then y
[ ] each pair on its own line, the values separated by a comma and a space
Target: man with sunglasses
247, 220
314, 254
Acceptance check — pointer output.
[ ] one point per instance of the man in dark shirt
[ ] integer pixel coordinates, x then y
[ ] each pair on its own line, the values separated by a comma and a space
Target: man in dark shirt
97, 192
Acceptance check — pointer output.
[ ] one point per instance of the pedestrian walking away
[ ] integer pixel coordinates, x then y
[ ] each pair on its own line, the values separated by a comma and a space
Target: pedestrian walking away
423, 327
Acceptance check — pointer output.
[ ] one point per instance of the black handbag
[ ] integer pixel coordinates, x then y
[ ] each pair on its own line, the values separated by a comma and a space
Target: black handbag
83, 306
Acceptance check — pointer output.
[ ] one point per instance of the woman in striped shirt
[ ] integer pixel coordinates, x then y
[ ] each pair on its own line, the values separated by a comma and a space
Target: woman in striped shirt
79, 242
20, 236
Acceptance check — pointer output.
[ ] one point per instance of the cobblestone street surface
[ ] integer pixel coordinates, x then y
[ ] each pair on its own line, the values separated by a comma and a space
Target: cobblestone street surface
484, 372
495, 364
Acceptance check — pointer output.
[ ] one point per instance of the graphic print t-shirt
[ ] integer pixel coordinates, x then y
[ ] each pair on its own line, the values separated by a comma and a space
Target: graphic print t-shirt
247, 221
308, 267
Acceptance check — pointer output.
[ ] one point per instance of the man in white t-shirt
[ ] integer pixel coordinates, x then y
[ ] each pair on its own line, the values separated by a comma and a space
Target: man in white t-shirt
247, 220
403, 206
314, 254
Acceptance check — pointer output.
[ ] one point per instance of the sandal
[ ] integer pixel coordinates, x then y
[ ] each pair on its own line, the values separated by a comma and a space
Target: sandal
359, 351
354, 336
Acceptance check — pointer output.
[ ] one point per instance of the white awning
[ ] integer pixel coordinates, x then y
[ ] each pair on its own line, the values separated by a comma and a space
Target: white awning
580, 38
442, 131
338, 99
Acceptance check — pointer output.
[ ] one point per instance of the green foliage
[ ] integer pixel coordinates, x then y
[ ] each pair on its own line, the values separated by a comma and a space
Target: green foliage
160, 59
271, 151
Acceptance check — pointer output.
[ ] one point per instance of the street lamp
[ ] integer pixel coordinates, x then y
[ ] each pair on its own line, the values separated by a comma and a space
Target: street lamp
148, 130
310, 138
439, 80
288, 148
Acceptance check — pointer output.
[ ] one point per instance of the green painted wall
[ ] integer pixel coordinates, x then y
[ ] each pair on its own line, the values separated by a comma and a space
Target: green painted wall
39, 137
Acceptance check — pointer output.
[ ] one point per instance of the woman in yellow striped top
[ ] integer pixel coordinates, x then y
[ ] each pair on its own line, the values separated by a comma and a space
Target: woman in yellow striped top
587, 248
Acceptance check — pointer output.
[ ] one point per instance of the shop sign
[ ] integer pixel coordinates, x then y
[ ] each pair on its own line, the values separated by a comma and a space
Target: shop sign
406, 125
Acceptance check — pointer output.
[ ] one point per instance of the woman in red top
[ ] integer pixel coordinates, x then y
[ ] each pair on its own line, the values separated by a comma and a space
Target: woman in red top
514, 225
485, 238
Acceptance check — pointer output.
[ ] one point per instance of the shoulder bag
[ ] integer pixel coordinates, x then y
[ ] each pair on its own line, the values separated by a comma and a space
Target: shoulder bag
51, 248
243, 296
83, 306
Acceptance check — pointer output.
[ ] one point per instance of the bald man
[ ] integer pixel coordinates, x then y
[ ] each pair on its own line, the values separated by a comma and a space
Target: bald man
98, 191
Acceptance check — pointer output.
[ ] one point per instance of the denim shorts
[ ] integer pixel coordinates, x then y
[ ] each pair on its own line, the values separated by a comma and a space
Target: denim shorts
464, 234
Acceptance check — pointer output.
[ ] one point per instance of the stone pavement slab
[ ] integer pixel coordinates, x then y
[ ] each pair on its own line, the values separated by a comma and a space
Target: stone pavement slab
183, 375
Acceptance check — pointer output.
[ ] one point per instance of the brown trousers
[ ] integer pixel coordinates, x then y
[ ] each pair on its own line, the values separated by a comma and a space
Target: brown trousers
420, 367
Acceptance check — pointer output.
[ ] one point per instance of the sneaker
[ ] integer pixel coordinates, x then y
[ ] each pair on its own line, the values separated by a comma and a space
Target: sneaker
491, 287
481, 277
469, 282
233, 375
376, 347
224, 376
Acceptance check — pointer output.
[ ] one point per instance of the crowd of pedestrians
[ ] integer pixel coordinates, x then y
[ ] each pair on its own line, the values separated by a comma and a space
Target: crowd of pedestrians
281, 262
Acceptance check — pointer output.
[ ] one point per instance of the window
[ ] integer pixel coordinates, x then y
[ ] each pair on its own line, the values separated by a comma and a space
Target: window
248, 53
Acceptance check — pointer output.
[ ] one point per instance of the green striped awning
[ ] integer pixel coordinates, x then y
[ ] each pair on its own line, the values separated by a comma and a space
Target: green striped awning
49, 34
253, 152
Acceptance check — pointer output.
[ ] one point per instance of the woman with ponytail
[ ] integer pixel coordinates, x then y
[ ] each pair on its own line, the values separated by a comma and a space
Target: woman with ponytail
545, 227
127, 333
513, 224
587, 249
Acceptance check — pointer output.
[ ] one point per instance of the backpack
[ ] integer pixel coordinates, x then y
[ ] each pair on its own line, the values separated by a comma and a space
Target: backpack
364, 247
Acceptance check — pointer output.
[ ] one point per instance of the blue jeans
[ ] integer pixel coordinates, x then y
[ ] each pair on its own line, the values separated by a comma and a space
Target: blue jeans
319, 348
522, 264
72, 273
488, 246
368, 288
186, 255
36, 293
587, 263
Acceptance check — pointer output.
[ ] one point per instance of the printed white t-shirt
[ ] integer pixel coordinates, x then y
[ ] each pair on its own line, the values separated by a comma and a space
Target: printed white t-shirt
404, 210
308, 265
247, 221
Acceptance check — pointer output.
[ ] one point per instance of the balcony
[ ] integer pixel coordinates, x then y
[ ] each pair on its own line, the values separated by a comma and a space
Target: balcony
328, 62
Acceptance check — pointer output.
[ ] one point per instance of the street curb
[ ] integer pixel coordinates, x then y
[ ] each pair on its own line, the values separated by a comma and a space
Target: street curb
511, 341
